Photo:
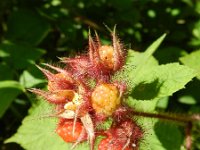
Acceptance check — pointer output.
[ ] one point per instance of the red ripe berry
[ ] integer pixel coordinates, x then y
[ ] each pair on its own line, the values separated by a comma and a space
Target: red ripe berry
124, 135
65, 131
112, 143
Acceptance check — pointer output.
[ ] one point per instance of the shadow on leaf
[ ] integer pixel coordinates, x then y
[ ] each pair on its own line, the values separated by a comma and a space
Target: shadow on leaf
146, 91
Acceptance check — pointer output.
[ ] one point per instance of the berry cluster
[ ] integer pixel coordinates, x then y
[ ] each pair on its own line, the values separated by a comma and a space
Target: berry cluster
81, 107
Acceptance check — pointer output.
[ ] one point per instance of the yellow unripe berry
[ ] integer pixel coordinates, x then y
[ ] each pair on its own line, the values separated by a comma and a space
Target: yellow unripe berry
105, 99
106, 55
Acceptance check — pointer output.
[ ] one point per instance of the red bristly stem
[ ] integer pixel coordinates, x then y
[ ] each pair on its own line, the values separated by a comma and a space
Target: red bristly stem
171, 117
188, 139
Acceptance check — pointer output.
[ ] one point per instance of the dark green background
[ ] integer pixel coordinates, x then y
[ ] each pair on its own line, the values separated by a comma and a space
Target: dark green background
36, 31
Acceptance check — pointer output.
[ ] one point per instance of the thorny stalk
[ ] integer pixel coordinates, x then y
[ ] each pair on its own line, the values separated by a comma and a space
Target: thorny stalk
188, 139
169, 116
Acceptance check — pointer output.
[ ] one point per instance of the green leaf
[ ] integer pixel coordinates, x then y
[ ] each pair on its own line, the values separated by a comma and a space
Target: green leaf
153, 47
190, 95
133, 68
126, 4
169, 54
158, 82
140, 105
161, 81
168, 134
19, 56
148, 81
31, 77
160, 135
187, 99
6, 73
192, 60
36, 132
138, 63
143, 60
9, 90
196, 30
128, 75
163, 103
27, 27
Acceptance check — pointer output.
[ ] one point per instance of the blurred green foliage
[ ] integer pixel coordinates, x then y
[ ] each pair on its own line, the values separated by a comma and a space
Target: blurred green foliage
36, 31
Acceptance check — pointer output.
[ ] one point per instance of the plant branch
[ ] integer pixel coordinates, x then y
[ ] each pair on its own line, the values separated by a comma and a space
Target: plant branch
188, 139
169, 116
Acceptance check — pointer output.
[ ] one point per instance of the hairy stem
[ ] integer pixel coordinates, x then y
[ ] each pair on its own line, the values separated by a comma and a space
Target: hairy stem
188, 140
171, 117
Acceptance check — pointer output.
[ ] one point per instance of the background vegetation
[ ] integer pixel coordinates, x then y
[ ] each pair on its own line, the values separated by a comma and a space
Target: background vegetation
36, 31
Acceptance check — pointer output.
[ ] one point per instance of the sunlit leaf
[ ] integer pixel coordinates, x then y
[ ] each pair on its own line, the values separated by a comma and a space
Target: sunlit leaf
39, 133
31, 77
192, 60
